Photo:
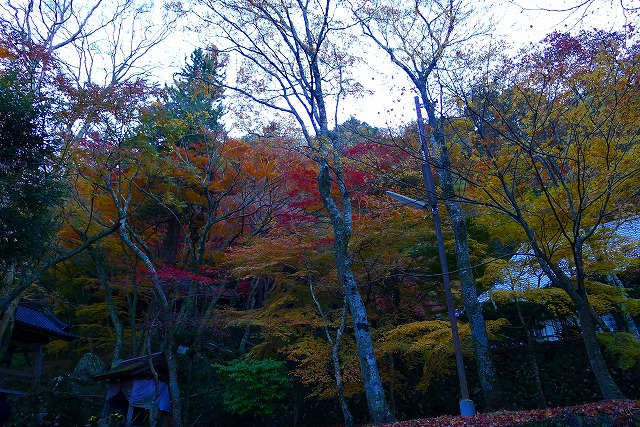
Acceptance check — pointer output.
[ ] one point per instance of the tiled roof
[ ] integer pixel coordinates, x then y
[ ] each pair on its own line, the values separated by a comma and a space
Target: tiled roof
32, 315
131, 367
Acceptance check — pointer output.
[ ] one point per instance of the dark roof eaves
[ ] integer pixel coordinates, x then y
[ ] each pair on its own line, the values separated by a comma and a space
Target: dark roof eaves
36, 316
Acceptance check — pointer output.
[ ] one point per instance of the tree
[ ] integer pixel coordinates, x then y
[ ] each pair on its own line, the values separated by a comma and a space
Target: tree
554, 151
582, 9
29, 182
290, 64
420, 38
335, 352
123, 166
40, 44
34, 169
393, 261
31, 187
196, 96
85, 61
187, 191
209, 178
212, 190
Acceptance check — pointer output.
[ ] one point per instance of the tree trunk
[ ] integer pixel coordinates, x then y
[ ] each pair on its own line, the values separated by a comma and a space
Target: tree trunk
541, 402
6, 319
117, 324
97, 255
132, 303
172, 367
169, 248
378, 407
491, 390
174, 387
153, 410
392, 388
578, 295
346, 413
335, 353
8, 322
534, 369
335, 349
608, 387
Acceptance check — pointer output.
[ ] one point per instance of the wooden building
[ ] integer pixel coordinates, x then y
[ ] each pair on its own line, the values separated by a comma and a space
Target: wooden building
136, 386
34, 326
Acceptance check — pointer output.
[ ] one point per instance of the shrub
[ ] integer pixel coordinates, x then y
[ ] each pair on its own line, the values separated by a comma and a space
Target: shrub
254, 386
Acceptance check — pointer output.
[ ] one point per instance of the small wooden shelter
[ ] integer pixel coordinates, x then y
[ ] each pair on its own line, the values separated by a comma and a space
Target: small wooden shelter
34, 326
135, 385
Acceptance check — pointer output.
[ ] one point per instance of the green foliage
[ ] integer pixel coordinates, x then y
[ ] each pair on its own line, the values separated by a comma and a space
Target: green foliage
71, 403
313, 367
91, 323
353, 131
28, 184
196, 95
254, 386
623, 346
190, 111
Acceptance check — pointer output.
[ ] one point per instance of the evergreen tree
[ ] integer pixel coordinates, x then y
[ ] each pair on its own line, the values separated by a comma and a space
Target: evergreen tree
29, 183
196, 96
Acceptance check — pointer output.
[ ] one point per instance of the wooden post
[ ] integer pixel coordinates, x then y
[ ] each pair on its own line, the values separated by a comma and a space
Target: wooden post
38, 369
466, 405
129, 415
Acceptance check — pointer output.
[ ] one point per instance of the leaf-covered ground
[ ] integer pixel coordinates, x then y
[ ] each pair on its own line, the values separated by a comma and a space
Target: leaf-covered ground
621, 413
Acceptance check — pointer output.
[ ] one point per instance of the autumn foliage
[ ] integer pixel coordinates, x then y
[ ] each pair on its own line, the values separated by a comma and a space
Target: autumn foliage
132, 211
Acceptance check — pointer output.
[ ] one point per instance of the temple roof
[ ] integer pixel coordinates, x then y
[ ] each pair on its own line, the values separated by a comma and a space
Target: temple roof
138, 366
38, 318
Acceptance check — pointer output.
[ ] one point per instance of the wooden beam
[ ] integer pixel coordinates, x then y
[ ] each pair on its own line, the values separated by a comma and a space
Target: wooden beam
16, 392
17, 373
25, 347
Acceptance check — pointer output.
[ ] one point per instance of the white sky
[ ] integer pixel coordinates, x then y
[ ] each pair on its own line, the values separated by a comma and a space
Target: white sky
518, 26
386, 106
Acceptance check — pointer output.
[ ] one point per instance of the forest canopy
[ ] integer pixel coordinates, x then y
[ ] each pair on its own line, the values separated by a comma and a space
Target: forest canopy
235, 219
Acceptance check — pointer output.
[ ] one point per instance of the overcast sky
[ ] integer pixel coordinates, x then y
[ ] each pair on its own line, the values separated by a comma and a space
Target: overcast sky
520, 22
518, 25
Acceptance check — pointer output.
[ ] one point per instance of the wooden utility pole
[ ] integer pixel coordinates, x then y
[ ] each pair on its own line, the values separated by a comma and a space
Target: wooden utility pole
466, 405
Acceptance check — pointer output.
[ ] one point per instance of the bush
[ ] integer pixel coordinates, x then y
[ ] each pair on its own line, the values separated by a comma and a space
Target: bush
254, 386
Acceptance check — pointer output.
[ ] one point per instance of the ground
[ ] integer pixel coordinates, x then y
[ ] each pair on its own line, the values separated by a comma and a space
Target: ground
621, 413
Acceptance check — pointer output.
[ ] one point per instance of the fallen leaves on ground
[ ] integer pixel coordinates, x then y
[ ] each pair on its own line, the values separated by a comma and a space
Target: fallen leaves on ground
618, 411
